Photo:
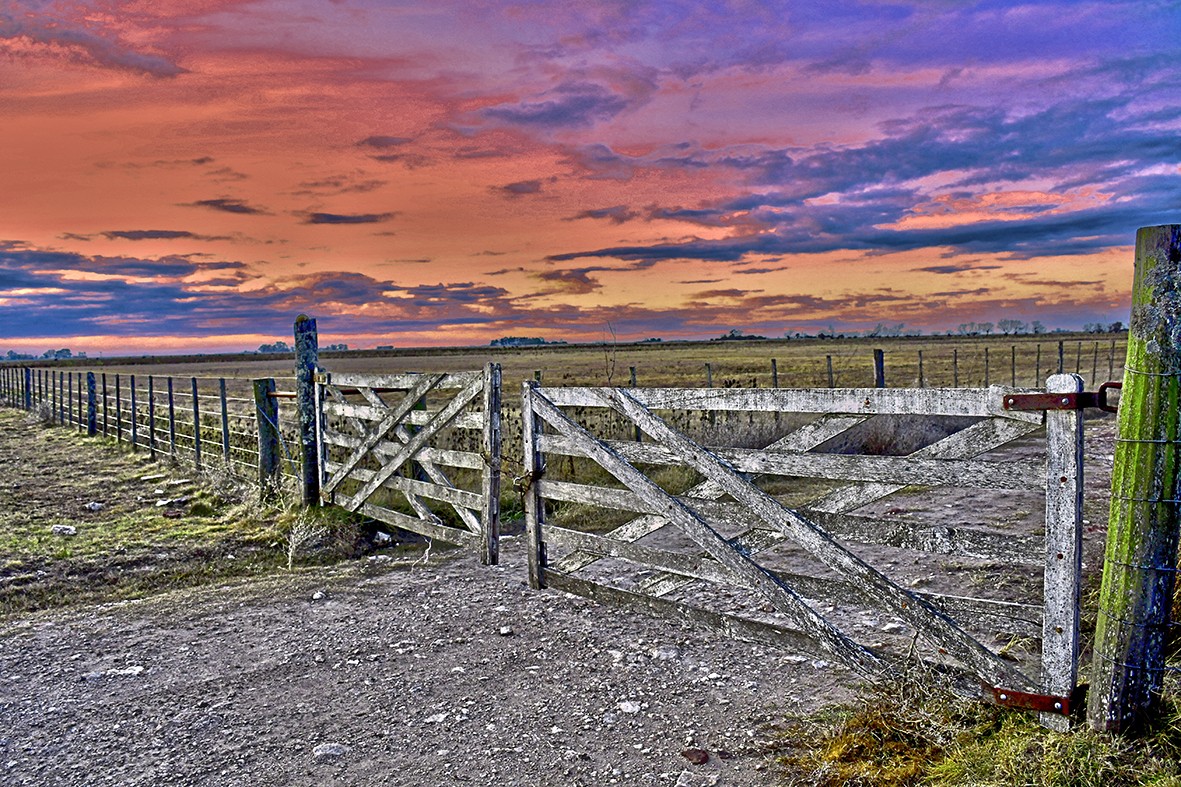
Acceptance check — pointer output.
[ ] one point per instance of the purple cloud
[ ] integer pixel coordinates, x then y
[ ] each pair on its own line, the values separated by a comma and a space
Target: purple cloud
347, 218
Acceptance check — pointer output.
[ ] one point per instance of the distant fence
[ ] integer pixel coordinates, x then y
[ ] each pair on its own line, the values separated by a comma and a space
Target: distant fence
1023, 363
208, 422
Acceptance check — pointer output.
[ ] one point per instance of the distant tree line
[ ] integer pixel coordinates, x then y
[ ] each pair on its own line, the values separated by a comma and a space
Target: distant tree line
521, 341
51, 355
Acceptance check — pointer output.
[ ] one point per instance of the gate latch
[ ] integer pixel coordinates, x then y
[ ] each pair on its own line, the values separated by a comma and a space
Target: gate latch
1064, 401
1045, 703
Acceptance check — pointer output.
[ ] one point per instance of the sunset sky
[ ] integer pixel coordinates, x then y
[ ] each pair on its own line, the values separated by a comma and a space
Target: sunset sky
192, 174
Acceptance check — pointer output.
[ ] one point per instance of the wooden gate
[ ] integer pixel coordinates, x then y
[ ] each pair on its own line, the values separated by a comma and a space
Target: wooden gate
690, 521
416, 451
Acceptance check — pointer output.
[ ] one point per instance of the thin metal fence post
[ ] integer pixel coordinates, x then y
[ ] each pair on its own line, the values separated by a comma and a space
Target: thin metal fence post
171, 420
118, 409
105, 423
196, 427
922, 379
152, 416
225, 421
828, 363
879, 369
28, 388
134, 418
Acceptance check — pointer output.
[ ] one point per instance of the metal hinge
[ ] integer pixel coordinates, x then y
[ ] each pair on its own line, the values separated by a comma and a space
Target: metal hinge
1044, 703
1063, 401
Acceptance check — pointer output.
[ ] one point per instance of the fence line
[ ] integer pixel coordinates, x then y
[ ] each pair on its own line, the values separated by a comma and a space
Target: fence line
163, 416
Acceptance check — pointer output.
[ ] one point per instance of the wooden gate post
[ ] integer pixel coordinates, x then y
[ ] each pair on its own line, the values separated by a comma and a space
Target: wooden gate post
490, 483
266, 410
307, 363
1140, 560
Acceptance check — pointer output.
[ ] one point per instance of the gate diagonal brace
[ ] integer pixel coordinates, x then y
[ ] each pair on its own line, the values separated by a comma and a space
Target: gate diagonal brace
1064, 401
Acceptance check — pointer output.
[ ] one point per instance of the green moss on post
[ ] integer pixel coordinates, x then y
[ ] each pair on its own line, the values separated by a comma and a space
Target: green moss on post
1138, 573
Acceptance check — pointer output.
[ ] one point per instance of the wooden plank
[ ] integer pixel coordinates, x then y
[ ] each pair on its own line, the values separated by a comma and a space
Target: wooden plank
471, 520
977, 439
391, 418
883, 531
1063, 548
399, 382
978, 402
697, 529
365, 412
805, 438
440, 456
410, 486
1020, 619
451, 535
533, 465
439, 420
490, 477
903, 470
878, 590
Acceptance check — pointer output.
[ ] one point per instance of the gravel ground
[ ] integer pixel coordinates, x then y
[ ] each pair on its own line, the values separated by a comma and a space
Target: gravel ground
424, 674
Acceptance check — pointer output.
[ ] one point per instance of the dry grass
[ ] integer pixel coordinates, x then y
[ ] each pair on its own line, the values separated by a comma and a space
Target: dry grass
914, 730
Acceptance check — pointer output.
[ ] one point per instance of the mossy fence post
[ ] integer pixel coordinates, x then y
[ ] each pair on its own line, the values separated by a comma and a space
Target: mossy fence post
1140, 562
307, 364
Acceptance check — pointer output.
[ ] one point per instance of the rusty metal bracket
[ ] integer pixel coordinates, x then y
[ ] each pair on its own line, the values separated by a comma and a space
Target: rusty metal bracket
1064, 401
1043, 703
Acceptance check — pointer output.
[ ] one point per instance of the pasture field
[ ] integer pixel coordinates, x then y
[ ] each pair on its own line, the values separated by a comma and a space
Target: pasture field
966, 361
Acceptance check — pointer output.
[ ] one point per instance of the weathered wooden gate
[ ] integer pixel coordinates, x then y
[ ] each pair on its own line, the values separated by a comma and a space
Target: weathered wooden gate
763, 543
417, 451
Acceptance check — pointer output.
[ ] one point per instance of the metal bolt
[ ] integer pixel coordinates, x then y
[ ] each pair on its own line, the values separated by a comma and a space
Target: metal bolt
1057, 706
1003, 697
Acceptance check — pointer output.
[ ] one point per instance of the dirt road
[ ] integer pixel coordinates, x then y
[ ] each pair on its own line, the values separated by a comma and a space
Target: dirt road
434, 674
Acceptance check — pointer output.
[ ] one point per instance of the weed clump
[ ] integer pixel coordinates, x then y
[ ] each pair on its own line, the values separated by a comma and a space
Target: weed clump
916, 730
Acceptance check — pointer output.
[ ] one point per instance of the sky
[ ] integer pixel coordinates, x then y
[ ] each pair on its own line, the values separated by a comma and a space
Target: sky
190, 175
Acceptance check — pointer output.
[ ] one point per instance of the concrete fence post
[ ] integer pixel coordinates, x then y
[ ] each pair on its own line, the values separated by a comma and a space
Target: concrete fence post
1140, 562
307, 365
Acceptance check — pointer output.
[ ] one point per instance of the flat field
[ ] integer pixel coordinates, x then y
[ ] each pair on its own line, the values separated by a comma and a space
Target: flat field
966, 361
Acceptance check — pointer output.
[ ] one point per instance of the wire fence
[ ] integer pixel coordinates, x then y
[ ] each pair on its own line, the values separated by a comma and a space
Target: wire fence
210, 423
